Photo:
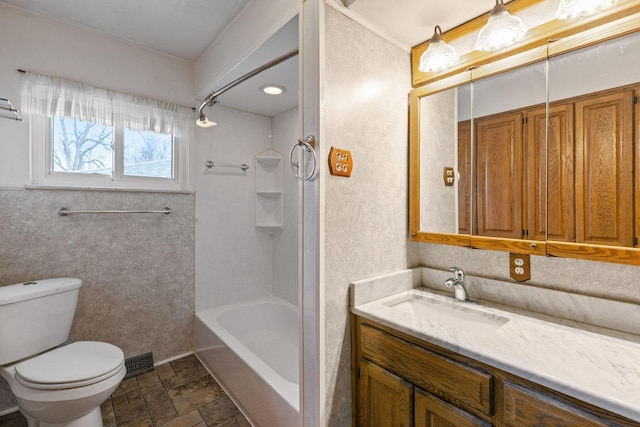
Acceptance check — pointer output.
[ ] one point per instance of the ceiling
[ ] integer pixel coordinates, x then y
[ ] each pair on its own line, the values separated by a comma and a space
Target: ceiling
410, 22
182, 28
185, 28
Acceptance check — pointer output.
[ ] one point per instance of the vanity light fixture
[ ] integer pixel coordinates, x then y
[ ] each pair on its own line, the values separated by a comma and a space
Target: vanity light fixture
439, 55
570, 9
272, 89
501, 30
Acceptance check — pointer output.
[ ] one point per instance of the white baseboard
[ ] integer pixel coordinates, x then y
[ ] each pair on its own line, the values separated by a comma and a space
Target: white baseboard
171, 359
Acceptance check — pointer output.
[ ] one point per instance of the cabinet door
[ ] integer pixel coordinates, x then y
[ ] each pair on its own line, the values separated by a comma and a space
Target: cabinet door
499, 175
550, 174
433, 412
604, 169
526, 407
384, 400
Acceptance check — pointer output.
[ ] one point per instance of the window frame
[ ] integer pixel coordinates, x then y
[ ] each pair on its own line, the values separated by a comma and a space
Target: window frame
42, 175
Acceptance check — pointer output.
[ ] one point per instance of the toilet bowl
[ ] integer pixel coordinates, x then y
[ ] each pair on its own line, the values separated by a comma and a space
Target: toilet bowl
55, 385
64, 386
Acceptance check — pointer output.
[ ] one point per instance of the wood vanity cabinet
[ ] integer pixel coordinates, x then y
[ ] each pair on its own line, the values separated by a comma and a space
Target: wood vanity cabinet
385, 399
400, 380
526, 407
429, 411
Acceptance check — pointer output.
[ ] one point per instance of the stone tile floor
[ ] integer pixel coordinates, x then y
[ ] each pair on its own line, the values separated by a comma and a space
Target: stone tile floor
175, 394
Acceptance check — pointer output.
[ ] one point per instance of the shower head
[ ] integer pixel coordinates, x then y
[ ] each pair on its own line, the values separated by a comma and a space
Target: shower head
203, 121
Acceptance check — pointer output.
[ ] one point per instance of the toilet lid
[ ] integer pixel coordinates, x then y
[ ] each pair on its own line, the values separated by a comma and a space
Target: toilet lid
78, 362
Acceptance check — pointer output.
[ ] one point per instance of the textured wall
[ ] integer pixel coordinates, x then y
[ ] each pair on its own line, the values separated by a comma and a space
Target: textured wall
365, 217
137, 270
600, 279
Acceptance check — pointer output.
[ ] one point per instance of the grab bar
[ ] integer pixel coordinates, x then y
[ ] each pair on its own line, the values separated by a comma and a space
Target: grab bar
211, 164
65, 212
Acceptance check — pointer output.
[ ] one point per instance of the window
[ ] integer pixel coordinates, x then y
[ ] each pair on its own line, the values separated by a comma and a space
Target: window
148, 154
78, 146
89, 137
81, 147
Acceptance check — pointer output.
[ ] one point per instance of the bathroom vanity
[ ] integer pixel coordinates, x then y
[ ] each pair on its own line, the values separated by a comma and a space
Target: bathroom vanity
446, 388
421, 358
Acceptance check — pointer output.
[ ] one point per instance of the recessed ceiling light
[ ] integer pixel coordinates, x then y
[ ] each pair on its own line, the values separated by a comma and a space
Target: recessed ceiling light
273, 89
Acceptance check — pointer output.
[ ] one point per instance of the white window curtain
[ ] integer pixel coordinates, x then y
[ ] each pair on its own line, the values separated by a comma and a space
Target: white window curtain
54, 96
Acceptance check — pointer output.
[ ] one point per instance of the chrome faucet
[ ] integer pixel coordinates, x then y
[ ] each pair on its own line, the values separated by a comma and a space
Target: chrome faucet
457, 281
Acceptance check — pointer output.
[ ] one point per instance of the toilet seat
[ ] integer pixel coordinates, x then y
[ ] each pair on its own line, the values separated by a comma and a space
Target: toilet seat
75, 365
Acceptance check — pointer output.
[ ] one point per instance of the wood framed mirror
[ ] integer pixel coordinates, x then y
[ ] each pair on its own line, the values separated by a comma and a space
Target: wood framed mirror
551, 162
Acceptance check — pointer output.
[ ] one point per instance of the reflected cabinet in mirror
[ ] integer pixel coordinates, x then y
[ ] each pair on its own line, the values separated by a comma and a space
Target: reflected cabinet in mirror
592, 142
539, 159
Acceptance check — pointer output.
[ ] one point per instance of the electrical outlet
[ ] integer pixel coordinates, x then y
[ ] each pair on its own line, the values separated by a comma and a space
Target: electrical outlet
519, 267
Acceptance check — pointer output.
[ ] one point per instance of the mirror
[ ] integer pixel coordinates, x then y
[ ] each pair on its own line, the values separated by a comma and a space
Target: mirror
509, 182
593, 116
552, 177
440, 181
444, 184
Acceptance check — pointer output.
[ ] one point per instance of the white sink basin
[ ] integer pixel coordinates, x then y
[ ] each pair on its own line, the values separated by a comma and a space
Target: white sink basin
449, 314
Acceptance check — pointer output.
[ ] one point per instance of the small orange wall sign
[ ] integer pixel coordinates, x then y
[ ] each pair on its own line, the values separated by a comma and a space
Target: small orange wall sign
340, 162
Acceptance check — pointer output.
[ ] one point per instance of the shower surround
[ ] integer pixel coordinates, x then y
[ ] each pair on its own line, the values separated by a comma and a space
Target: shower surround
242, 270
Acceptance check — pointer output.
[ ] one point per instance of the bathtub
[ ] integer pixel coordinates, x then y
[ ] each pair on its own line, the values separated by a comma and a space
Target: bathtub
252, 349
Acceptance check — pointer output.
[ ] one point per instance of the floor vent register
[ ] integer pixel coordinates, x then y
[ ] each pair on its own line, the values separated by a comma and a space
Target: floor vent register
137, 365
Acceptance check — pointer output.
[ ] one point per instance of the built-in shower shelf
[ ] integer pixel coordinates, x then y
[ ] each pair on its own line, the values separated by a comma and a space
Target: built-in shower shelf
272, 161
269, 228
269, 192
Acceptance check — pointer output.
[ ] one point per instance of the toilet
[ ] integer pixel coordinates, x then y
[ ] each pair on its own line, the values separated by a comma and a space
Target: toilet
56, 384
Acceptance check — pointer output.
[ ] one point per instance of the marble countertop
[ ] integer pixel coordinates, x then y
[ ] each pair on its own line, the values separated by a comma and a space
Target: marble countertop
597, 368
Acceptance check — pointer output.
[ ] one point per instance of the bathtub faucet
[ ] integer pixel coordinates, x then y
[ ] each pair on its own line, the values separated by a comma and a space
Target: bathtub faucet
457, 281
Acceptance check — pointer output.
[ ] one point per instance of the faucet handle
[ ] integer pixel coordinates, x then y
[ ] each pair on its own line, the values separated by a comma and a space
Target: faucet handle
457, 273
449, 282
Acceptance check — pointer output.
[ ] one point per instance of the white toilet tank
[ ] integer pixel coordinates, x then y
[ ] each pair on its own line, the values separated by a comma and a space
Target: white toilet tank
36, 316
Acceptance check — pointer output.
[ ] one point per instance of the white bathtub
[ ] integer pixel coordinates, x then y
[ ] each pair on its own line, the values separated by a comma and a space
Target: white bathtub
252, 350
